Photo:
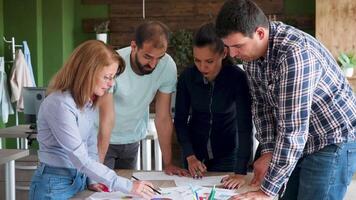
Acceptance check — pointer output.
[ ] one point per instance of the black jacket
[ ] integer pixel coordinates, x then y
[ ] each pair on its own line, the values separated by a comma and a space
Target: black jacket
220, 111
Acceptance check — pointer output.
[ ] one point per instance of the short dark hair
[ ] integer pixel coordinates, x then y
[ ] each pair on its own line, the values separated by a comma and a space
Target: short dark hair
242, 16
153, 31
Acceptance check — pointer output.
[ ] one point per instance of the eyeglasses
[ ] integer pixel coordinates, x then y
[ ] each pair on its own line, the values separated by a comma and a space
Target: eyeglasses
109, 79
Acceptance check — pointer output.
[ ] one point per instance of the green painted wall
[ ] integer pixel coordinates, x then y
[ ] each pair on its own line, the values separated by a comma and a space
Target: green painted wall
20, 22
1, 34
1, 28
62, 31
300, 7
52, 37
68, 28
86, 11
52, 30
39, 35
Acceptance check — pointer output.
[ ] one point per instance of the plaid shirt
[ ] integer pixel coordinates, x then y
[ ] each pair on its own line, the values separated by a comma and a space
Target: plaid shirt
301, 101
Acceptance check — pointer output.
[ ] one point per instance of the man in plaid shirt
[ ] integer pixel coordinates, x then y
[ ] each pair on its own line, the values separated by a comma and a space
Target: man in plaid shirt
303, 107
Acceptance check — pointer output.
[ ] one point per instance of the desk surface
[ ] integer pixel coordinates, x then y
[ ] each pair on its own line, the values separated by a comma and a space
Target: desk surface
16, 132
21, 131
7, 155
165, 183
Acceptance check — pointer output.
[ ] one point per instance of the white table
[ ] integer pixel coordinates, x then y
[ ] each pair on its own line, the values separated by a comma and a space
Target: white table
8, 157
165, 183
20, 132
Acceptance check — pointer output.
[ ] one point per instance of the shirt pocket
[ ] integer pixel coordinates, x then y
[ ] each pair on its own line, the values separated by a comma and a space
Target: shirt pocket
272, 90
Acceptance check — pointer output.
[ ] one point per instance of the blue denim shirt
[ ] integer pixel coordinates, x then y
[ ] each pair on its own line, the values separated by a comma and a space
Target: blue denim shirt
67, 139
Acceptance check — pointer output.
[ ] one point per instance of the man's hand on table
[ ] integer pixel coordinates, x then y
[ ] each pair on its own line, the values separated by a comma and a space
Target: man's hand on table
260, 167
256, 195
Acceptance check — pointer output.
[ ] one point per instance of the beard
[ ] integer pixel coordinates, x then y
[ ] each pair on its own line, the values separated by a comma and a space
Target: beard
144, 69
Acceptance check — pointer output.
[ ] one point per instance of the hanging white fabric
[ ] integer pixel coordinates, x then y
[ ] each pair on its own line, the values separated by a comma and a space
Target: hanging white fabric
20, 78
26, 52
5, 103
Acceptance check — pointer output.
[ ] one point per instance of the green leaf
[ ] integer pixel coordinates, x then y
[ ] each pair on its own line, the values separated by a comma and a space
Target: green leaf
347, 60
353, 60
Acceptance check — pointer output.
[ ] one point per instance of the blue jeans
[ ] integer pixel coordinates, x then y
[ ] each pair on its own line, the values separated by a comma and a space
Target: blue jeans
56, 183
323, 175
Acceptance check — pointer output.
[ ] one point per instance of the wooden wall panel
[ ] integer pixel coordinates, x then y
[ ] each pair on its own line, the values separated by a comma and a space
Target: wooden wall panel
352, 81
336, 25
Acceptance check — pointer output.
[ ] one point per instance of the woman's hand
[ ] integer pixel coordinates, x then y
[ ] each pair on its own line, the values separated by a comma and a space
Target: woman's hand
234, 181
97, 187
142, 189
196, 168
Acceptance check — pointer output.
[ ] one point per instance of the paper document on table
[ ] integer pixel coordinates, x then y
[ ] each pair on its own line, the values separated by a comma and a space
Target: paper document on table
167, 194
152, 176
109, 196
172, 193
179, 181
185, 193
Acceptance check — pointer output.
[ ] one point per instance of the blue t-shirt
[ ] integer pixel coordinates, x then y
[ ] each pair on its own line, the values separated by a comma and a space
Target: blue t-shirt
133, 94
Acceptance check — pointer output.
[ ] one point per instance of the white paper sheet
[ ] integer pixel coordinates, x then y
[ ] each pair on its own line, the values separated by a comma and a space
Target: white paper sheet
179, 181
172, 193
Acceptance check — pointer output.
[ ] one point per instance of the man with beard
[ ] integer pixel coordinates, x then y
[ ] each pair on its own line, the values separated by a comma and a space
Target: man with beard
124, 112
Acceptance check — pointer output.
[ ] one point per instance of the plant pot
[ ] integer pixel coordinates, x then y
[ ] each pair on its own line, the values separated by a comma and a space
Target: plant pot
348, 72
102, 36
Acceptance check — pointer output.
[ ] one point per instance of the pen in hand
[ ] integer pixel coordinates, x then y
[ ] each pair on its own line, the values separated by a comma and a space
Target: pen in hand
147, 185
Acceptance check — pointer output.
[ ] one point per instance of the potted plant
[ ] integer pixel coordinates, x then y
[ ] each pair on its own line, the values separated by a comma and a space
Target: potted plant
348, 63
102, 30
181, 48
